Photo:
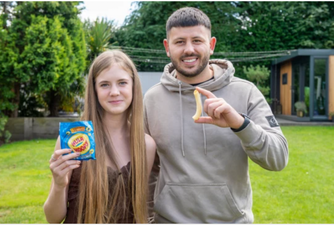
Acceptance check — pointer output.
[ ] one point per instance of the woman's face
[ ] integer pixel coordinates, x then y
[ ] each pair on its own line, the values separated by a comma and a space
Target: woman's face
114, 90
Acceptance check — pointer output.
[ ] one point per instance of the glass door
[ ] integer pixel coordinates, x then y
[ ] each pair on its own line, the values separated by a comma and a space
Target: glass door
319, 86
300, 83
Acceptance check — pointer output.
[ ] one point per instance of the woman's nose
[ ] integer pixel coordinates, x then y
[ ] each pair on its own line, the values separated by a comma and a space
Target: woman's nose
114, 90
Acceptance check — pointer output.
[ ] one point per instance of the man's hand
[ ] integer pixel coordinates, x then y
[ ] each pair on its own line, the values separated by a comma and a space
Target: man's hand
219, 112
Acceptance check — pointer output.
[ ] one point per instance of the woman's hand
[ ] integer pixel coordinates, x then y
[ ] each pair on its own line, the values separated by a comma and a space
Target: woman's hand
61, 164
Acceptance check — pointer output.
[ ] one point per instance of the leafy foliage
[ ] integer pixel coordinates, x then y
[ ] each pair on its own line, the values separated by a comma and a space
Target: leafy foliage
4, 134
44, 56
44, 53
99, 33
259, 75
300, 106
239, 27
288, 25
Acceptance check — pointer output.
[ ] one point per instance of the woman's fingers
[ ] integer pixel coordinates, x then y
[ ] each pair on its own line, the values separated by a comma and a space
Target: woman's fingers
57, 153
67, 166
63, 155
61, 152
63, 163
67, 163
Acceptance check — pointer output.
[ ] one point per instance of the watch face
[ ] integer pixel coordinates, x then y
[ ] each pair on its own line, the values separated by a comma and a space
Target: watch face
244, 115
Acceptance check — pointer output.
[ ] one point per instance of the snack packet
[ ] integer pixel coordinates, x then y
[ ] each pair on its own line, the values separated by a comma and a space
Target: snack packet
78, 136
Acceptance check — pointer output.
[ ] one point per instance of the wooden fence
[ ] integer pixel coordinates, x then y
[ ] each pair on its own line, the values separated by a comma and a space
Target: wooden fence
27, 128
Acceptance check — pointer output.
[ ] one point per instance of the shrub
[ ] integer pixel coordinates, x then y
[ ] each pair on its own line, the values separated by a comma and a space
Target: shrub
4, 134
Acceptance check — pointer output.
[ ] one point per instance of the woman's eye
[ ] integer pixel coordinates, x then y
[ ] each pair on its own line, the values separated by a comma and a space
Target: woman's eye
104, 85
123, 83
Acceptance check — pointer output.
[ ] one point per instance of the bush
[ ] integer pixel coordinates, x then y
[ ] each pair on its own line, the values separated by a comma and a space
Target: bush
259, 75
4, 134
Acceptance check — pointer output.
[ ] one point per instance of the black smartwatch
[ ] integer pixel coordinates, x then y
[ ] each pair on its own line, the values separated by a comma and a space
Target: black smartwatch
246, 122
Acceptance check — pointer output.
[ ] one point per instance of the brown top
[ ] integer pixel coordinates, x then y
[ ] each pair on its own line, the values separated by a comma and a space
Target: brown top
73, 191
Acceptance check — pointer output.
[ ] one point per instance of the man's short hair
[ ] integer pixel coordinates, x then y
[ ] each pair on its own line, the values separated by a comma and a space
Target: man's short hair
187, 17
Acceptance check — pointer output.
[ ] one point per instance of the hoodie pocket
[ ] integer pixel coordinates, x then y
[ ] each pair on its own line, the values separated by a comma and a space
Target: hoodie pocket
206, 203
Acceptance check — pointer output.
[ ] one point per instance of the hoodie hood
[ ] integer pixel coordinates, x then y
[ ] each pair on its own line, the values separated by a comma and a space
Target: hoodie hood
223, 71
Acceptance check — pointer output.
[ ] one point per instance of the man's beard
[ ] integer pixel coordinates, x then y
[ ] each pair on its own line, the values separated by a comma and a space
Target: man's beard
186, 73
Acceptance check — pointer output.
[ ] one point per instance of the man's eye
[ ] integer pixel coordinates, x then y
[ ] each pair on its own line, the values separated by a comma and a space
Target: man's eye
179, 42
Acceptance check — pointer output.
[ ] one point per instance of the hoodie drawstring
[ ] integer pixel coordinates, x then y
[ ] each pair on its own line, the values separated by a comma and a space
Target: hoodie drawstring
204, 136
182, 132
182, 148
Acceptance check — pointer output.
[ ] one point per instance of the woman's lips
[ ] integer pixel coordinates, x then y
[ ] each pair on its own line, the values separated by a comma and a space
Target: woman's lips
115, 101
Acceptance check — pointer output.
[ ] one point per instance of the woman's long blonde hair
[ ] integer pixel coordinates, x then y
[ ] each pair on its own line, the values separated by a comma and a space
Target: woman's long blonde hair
95, 205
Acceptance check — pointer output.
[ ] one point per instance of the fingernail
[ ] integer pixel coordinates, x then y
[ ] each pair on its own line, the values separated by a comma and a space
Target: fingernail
78, 153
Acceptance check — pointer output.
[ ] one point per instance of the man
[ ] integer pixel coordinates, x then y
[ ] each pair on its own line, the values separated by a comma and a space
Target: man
204, 163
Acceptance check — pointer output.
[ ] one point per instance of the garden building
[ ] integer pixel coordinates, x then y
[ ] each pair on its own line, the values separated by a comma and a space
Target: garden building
302, 85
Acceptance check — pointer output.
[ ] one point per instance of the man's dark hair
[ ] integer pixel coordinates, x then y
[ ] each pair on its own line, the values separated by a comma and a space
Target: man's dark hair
187, 17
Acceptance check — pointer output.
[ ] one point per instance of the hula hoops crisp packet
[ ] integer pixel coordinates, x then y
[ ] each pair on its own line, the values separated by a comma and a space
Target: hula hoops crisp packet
78, 136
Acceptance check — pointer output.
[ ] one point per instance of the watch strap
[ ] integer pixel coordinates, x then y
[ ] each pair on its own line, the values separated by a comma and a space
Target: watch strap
245, 123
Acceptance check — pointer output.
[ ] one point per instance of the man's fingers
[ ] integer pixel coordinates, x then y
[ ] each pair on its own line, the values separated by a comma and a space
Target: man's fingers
207, 94
204, 119
210, 108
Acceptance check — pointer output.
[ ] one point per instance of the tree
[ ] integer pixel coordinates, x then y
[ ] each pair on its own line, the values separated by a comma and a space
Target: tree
6, 57
239, 27
144, 31
99, 34
287, 25
44, 55
259, 76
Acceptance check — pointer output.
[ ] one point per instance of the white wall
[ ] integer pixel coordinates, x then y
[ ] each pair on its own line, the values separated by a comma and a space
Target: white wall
148, 79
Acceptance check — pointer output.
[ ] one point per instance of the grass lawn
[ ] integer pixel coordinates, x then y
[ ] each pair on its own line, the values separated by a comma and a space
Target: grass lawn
301, 193
25, 180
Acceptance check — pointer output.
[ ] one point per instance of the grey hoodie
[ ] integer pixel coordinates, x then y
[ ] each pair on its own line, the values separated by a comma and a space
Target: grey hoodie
204, 168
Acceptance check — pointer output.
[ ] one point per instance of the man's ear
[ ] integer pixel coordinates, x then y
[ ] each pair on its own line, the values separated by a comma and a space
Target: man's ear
166, 47
212, 45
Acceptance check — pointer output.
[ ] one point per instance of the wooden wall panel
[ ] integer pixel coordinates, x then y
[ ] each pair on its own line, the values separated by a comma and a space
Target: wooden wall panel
285, 89
331, 84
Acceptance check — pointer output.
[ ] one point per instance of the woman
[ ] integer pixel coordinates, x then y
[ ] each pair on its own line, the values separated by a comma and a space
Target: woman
113, 188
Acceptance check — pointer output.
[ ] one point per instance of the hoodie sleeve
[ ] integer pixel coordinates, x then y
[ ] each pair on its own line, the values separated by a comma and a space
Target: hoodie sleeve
262, 139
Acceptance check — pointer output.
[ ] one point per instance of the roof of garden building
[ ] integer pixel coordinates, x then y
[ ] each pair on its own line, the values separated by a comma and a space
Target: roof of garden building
303, 52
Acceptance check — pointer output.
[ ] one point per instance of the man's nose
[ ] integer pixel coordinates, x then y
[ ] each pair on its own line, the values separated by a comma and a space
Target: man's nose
189, 48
